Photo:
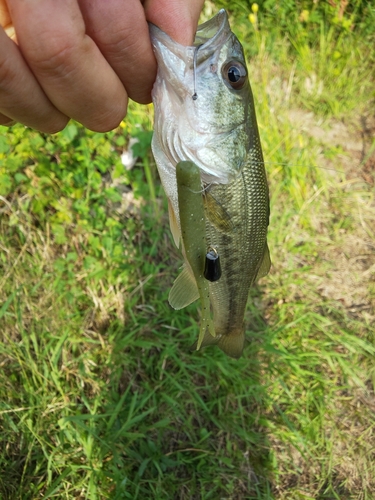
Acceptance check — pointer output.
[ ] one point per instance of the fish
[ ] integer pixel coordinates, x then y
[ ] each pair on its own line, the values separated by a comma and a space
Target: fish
205, 124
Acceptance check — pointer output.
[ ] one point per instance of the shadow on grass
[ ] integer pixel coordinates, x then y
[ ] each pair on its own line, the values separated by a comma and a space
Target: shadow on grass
197, 417
129, 412
132, 412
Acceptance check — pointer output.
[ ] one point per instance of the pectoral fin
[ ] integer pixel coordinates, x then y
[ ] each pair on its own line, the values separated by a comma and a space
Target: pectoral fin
265, 265
217, 214
184, 290
175, 230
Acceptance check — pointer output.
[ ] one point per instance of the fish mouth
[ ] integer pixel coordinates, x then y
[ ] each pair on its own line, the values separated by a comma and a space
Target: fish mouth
209, 35
214, 31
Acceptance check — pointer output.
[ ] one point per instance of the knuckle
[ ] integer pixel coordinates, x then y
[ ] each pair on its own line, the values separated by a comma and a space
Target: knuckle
54, 57
7, 73
115, 47
120, 40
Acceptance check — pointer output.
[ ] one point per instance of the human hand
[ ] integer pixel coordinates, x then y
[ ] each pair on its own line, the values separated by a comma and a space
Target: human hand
81, 59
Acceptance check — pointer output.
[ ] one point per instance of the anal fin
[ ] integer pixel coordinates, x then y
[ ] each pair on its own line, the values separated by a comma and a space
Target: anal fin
207, 339
231, 344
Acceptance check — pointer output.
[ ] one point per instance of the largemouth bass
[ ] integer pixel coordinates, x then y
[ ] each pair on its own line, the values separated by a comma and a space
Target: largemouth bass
204, 114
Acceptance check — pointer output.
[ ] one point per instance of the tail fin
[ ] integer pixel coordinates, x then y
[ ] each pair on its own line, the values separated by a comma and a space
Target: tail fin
231, 344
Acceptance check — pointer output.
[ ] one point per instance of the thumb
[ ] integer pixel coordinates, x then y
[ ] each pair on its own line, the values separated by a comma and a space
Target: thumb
177, 18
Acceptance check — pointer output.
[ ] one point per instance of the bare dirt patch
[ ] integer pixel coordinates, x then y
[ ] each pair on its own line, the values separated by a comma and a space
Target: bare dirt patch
352, 251
356, 139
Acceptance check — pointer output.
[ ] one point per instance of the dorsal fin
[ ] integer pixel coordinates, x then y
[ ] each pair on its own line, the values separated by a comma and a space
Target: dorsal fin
265, 264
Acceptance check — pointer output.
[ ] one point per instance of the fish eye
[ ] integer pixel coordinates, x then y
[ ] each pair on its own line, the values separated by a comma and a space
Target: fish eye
234, 74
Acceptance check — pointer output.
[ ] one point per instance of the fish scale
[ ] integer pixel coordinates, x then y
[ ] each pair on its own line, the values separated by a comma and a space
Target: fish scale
246, 201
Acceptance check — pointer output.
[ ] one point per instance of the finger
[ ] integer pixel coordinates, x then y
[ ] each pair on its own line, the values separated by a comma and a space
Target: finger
5, 19
66, 62
5, 120
21, 98
120, 31
178, 18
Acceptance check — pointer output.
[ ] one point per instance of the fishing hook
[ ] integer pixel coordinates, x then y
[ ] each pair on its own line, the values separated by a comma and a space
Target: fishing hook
195, 95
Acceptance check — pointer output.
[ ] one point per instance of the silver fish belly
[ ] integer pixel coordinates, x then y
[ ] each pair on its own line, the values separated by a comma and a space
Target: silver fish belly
204, 113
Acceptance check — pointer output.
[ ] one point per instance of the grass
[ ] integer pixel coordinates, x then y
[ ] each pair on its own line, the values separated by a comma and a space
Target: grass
100, 396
